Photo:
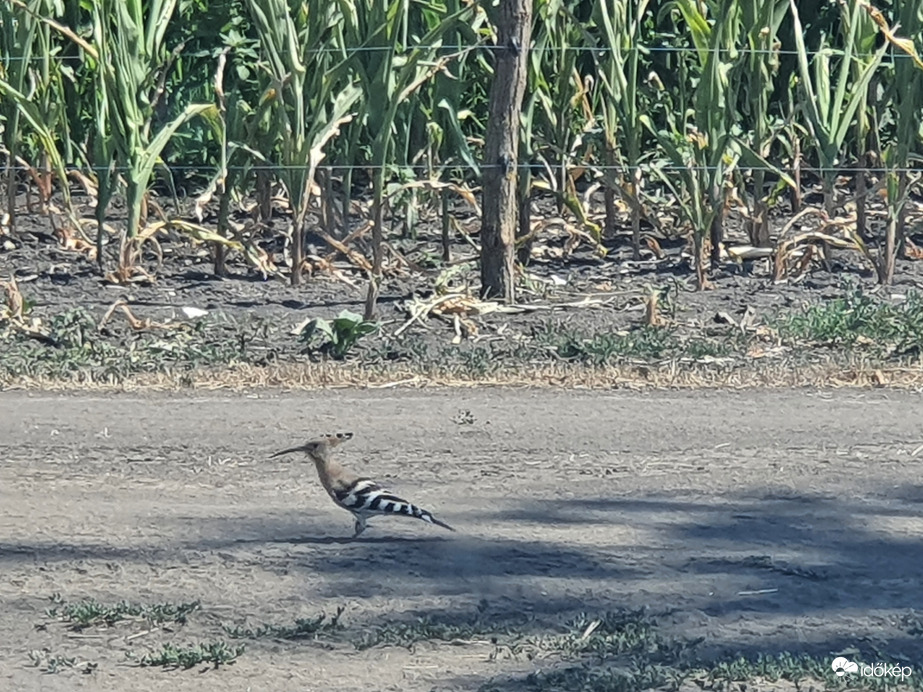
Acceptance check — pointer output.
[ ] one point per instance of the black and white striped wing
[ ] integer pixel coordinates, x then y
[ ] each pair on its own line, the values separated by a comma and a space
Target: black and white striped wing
365, 497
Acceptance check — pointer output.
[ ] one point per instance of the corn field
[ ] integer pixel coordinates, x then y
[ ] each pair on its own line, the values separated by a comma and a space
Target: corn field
355, 120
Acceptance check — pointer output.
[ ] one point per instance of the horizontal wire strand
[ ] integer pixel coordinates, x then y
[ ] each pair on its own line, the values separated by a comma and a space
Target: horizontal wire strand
422, 168
544, 49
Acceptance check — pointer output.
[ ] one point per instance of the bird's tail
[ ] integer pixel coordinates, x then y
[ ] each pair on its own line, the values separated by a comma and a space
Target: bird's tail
420, 513
426, 516
367, 497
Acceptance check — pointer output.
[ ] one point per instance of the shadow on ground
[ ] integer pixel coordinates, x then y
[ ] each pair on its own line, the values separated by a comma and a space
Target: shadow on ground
778, 573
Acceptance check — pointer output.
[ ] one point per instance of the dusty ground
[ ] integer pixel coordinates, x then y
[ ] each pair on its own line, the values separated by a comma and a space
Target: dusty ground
564, 502
54, 279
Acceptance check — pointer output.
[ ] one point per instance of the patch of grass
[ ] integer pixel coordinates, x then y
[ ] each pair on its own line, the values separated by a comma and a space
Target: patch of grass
610, 633
623, 652
648, 344
640, 673
71, 342
855, 332
858, 319
479, 361
624, 678
406, 634
304, 628
171, 656
912, 622
90, 613
599, 348
728, 674
784, 666
53, 663
697, 349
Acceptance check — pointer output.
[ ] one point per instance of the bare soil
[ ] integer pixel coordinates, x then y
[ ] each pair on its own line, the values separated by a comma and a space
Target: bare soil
763, 521
54, 279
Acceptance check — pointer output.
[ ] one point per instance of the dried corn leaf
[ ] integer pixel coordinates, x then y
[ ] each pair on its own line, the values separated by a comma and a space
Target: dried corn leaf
912, 251
14, 303
654, 246
135, 323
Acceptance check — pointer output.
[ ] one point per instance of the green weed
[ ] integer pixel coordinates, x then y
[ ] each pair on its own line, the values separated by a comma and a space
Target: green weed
72, 343
51, 663
304, 628
634, 678
171, 656
607, 634
406, 634
90, 613
601, 348
730, 674
857, 319
624, 652
337, 337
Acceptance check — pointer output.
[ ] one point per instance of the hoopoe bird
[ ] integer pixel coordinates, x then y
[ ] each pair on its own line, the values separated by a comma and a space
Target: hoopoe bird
363, 497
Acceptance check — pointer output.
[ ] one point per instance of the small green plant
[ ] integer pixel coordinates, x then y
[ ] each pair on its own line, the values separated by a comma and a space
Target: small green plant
70, 345
604, 347
478, 361
304, 628
912, 622
406, 634
171, 656
90, 613
706, 348
634, 678
858, 319
337, 337
607, 634
730, 673
51, 663
647, 662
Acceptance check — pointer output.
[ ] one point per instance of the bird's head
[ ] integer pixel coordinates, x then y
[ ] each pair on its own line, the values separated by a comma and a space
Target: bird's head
319, 449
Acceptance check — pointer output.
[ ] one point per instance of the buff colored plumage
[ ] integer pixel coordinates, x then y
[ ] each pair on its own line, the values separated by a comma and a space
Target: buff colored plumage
363, 497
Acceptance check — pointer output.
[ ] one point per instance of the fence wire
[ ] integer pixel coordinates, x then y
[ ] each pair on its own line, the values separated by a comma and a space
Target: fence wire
743, 50
443, 170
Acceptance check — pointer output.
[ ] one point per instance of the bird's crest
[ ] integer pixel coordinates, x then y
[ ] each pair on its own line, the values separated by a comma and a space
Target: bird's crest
334, 439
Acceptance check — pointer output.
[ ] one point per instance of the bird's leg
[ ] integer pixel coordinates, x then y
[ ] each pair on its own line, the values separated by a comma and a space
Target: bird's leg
360, 526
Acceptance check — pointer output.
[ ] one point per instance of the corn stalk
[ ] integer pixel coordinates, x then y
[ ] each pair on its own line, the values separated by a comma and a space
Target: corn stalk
30, 81
128, 53
906, 98
311, 94
390, 69
702, 151
761, 19
17, 39
133, 59
618, 65
830, 105
560, 115
238, 127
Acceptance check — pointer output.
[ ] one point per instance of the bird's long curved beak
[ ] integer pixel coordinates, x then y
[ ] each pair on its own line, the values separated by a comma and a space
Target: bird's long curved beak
300, 448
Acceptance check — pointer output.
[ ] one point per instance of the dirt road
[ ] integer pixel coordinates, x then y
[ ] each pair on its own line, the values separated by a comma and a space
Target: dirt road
762, 521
